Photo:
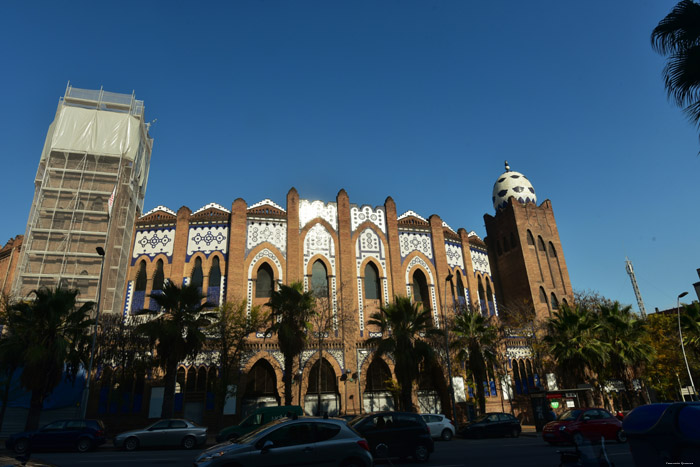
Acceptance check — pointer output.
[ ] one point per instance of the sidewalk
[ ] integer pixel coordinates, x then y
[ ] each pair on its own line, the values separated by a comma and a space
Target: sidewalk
529, 430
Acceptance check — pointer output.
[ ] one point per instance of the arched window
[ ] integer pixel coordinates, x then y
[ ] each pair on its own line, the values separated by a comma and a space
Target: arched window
552, 251
489, 298
523, 376
191, 379
319, 279
371, 282
516, 377
543, 296
530, 239
261, 380
554, 301
530, 374
327, 378
201, 379
141, 278
565, 302
197, 278
158, 276
462, 299
215, 273
482, 299
264, 281
377, 376
180, 380
420, 289
540, 242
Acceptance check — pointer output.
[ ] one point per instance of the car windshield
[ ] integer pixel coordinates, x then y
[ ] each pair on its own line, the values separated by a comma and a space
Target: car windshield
248, 436
570, 415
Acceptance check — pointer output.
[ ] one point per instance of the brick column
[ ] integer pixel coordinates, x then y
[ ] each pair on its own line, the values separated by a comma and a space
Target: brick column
294, 251
236, 278
440, 261
397, 279
182, 231
470, 283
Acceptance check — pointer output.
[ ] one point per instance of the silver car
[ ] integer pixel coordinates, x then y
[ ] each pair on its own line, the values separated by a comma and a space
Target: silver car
302, 441
172, 432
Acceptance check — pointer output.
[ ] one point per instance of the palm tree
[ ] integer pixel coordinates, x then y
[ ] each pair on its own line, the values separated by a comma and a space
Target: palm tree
406, 329
690, 323
176, 332
678, 37
627, 349
572, 339
476, 341
51, 336
290, 312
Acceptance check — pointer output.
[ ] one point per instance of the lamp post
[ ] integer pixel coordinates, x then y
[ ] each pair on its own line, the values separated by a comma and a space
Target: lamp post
448, 283
86, 391
680, 334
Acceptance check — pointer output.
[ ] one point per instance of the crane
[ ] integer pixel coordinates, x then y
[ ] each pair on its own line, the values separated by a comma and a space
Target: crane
640, 302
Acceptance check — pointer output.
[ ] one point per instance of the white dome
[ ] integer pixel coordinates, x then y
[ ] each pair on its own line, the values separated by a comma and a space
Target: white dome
513, 184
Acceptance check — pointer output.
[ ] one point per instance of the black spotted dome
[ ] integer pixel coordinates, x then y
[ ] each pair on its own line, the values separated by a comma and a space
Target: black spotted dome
513, 184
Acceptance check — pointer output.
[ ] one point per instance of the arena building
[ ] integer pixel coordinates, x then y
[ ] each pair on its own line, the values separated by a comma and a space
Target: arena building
361, 257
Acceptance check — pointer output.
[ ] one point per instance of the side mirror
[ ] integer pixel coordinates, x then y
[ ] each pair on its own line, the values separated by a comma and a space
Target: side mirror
267, 446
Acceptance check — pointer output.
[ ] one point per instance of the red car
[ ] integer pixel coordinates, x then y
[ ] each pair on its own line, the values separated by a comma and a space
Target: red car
575, 425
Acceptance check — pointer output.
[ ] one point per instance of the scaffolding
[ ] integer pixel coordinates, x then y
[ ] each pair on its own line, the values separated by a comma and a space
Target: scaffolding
97, 146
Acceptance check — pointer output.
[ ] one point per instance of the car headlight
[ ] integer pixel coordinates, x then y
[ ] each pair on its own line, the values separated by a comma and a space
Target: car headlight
211, 456
562, 428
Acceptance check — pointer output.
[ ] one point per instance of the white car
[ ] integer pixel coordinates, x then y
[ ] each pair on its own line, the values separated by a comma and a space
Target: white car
440, 426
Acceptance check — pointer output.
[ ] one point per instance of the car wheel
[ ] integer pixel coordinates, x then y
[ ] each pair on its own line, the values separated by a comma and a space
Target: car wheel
131, 444
514, 433
621, 437
189, 442
84, 445
421, 453
21, 446
446, 434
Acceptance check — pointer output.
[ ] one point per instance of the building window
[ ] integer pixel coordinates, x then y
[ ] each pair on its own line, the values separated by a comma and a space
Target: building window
326, 376
261, 380
554, 301
141, 278
489, 298
264, 281
420, 289
543, 296
378, 375
371, 282
215, 273
482, 299
530, 239
158, 277
197, 273
319, 279
460, 290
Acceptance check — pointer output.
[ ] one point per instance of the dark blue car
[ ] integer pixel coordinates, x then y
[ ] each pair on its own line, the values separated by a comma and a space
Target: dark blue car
81, 435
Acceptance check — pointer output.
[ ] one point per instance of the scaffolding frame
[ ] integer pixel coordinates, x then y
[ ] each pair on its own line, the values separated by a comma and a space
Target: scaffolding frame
69, 216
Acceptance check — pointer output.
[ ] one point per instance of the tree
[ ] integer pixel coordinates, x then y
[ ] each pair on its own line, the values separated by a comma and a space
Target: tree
229, 332
627, 351
573, 342
476, 340
406, 331
51, 336
677, 36
290, 311
661, 372
176, 332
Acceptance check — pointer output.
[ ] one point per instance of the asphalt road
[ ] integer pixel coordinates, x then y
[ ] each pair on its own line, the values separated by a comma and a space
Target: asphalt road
526, 451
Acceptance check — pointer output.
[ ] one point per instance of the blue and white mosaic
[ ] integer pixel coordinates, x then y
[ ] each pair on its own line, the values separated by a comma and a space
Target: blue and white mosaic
153, 242
266, 253
480, 261
455, 259
369, 245
207, 239
415, 241
417, 260
267, 231
310, 210
366, 213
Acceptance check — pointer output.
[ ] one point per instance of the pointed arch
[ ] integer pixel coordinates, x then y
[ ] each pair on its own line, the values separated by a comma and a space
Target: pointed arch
371, 282
264, 281
197, 276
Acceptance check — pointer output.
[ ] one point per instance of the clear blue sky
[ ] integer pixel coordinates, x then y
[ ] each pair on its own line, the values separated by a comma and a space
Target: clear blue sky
421, 101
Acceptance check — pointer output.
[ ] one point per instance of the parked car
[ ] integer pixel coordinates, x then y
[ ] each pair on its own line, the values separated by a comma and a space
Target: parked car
259, 417
302, 441
175, 432
396, 434
440, 426
575, 425
81, 435
491, 424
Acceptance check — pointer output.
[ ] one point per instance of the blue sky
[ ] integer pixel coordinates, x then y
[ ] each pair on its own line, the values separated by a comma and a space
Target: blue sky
420, 101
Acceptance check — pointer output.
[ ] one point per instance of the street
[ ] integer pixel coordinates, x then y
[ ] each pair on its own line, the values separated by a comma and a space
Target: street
526, 451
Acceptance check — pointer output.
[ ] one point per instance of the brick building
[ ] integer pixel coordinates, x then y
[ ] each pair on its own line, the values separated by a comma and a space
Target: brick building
362, 256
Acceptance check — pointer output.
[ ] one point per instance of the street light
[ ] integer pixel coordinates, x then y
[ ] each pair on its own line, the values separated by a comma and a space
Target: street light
86, 391
448, 280
680, 334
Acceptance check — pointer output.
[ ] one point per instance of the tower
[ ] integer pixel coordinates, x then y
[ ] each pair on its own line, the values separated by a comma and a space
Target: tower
89, 188
524, 248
